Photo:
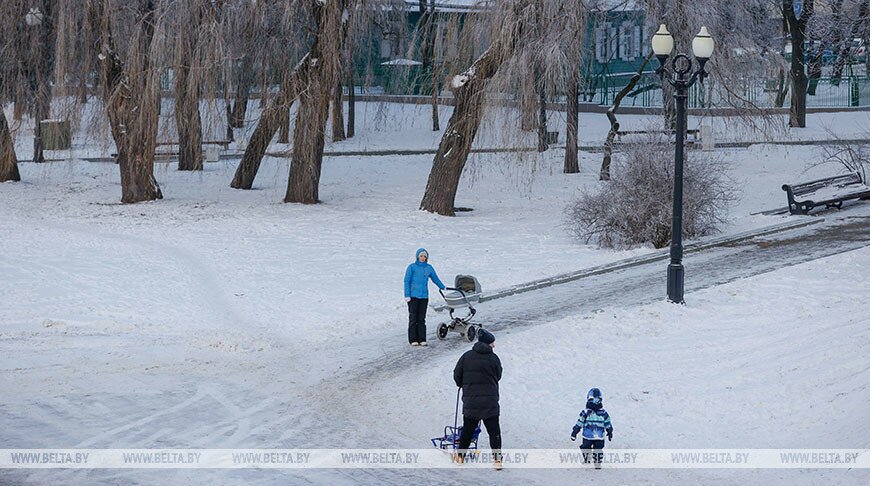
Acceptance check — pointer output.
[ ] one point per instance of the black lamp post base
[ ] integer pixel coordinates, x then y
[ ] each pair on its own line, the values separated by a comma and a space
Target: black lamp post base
675, 283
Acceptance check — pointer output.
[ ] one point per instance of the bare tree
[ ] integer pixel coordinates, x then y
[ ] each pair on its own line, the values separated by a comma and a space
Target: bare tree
41, 62
8, 161
269, 123
131, 93
276, 114
338, 113
10, 80
797, 26
426, 31
324, 72
468, 92
188, 83
575, 49
604, 173
572, 163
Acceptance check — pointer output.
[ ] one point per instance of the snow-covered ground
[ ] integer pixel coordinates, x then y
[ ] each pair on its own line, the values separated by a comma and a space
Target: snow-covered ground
212, 318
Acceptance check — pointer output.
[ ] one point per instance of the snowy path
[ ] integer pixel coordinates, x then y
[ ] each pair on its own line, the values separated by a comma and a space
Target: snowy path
646, 283
273, 397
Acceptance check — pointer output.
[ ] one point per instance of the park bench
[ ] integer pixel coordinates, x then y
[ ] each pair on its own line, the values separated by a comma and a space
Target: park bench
692, 133
830, 191
225, 144
173, 151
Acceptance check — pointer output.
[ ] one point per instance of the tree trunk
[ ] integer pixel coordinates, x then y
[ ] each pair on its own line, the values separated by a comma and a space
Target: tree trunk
43, 110
468, 90
799, 82
436, 122
268, 124
528, 112
454, 148
351, 89
308, 140
284, 131
840, 43
131, 91
572, 164
187, 120
243, 89
543, 144
604, 173
8, 161
351, 101
427, 28
338, 114
814, 69
41, 81
303, 183
187, 93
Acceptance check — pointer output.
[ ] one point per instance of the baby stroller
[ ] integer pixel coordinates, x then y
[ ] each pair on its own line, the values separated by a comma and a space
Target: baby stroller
450, 441
465, 293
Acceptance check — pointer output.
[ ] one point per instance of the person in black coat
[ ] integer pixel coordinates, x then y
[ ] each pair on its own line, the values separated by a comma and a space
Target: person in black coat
478, 372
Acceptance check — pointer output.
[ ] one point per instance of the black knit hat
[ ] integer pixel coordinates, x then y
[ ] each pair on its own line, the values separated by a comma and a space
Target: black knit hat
485, 336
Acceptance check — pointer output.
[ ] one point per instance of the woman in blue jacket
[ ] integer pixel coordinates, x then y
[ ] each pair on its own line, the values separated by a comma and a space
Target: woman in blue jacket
417, 295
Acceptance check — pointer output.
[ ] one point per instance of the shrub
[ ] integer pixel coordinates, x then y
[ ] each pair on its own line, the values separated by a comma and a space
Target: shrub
635, 206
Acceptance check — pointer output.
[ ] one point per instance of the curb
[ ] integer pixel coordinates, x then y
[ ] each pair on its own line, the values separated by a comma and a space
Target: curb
658, 255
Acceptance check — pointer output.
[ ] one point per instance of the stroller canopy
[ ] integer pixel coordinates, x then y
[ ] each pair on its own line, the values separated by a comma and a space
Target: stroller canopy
467, 284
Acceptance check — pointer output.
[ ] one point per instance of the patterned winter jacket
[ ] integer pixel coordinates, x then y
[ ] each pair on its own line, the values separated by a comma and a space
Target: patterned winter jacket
594, 424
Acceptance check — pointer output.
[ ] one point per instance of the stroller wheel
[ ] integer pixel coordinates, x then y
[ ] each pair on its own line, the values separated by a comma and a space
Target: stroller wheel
442, 330
471, 333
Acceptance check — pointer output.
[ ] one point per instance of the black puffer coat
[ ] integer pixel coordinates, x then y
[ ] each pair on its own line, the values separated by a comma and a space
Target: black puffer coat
478, 372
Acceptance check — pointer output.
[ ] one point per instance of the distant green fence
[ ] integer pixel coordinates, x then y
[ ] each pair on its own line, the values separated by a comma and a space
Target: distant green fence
848, 91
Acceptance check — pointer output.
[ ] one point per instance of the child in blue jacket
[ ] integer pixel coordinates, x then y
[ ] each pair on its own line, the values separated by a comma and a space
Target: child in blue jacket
594, 421
417, 277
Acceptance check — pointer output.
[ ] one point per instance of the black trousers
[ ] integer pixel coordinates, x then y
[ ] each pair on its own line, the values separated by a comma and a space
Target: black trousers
589, 445
492, 429
417, 320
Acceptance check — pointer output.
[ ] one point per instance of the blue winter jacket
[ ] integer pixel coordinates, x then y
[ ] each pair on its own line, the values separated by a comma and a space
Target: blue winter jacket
594, 423
417, 278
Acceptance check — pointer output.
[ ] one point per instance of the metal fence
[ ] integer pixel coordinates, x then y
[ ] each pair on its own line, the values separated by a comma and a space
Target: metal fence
848, 91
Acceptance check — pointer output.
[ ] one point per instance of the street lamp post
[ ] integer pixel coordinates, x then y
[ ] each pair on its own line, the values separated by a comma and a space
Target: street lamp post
681, 77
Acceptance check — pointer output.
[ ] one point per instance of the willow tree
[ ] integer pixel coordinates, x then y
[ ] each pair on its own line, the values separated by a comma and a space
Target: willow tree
519, 31
8, 161
40, 26
320, 68
744, 31
9, 79
469, 89
189, 18
130, 90
323, 74
276, 114
27, 51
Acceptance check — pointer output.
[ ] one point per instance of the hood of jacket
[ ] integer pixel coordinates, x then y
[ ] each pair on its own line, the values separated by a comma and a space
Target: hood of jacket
417, 256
